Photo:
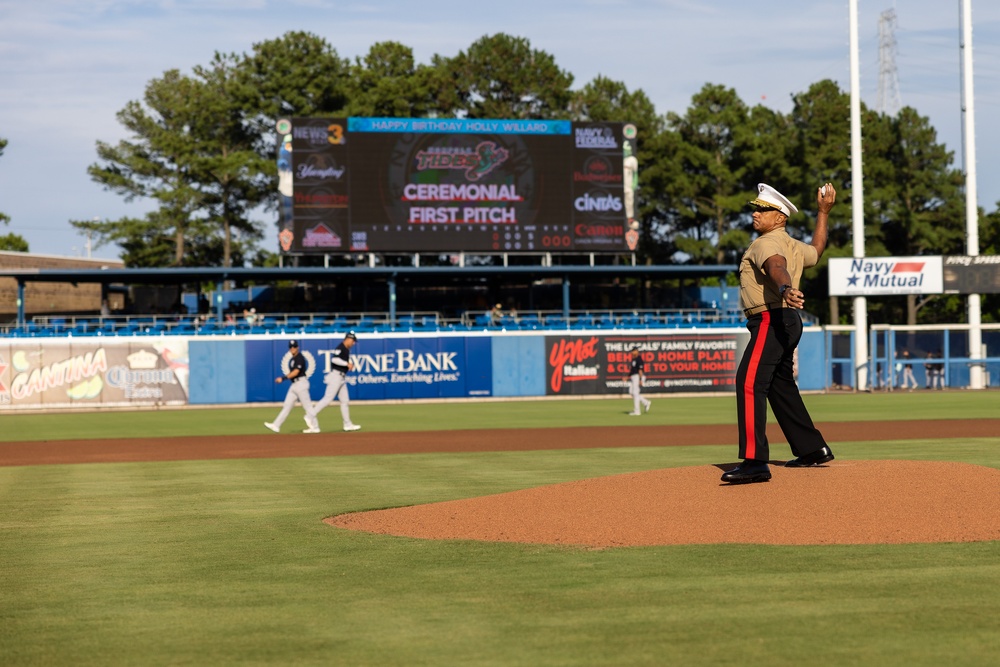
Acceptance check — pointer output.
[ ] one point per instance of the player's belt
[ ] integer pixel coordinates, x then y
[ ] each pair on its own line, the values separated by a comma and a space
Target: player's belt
748, 312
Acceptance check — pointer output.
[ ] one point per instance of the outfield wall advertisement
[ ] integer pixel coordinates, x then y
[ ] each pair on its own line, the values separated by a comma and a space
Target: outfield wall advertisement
594, 364
80, 373
384, 368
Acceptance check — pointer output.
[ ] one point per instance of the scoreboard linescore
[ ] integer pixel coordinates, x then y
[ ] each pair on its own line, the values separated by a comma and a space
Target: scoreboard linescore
453, 185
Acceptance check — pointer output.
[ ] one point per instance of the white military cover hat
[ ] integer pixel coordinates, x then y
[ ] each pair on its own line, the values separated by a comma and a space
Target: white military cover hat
768, 197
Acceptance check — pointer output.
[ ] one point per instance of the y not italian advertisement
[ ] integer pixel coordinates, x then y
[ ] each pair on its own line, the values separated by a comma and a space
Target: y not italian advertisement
67, 373
593, 364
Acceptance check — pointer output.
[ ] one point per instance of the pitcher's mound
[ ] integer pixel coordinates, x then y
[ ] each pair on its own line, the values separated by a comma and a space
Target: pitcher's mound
844, 502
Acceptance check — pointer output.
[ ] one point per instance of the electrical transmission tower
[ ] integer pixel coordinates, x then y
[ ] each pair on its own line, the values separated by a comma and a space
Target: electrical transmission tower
889, 102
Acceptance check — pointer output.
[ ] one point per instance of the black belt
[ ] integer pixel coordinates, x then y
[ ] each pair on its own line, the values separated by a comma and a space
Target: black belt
760, 309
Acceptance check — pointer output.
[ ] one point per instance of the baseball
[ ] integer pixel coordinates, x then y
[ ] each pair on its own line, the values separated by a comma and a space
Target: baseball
822, 191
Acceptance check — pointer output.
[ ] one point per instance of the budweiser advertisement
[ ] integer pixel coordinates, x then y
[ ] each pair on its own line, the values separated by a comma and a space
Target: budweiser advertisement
587, 365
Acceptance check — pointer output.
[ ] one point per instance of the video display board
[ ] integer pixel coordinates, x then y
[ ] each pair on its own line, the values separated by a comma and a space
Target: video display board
451, 185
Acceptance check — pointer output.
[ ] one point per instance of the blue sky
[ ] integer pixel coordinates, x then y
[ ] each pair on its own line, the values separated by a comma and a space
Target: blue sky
68, 66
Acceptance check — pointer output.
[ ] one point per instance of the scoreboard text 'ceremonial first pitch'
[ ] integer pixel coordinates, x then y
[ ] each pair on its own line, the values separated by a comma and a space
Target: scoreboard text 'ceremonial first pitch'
453, 185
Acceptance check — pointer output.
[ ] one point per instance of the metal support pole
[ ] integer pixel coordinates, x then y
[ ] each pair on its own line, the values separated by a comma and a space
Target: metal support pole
974, 304
861, 360
218, 301
20, 303
392, 300
566, 298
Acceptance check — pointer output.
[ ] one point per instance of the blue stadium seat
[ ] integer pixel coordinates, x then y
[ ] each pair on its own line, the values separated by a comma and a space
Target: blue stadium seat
607, 321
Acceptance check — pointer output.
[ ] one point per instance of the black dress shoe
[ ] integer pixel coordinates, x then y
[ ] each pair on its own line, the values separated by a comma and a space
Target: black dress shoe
747, 472
820, 456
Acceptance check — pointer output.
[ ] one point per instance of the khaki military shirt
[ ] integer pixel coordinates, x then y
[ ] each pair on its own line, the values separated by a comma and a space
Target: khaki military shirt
755, 288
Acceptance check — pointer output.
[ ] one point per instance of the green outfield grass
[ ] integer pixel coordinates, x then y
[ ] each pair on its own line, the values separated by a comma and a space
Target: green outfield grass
490, 415
229, 563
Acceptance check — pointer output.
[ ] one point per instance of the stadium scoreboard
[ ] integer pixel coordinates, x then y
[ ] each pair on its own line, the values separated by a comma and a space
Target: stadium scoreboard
453, 185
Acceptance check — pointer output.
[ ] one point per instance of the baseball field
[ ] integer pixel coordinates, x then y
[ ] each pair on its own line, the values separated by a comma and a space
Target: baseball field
197, 537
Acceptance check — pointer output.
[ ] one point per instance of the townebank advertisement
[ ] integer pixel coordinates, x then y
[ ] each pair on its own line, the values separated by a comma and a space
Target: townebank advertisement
600, 364
390, 368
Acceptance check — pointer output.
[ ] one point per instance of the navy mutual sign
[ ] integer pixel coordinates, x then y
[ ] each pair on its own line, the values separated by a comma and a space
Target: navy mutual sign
866, 276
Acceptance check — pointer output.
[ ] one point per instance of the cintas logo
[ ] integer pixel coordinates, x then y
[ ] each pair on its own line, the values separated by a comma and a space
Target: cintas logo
601, 203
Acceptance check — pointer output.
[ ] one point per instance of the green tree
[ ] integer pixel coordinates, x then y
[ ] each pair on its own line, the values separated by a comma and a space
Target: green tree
820, 151
297, 74
710, 192
387, 83
232, 176
13, 242
156, 162
500, 76
915, 204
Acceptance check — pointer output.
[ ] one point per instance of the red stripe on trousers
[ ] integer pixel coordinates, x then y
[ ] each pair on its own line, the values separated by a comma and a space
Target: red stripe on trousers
748, 398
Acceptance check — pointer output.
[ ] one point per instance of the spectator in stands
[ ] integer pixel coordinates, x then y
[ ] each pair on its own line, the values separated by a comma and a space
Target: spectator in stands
250, 316
496, 315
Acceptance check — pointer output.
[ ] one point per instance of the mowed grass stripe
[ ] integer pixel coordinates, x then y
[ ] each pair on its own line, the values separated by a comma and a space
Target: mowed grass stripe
489, 415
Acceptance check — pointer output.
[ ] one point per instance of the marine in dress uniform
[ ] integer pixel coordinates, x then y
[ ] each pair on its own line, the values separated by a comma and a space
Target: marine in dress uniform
770, 272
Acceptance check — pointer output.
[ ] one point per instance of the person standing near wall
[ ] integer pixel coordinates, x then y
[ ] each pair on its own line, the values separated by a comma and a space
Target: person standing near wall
770, 296
298, 390
336, 382
935, 371
637, 373
909, 381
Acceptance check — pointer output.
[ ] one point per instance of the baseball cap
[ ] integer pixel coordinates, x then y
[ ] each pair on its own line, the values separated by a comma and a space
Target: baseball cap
350, 334
293, 343
768, 197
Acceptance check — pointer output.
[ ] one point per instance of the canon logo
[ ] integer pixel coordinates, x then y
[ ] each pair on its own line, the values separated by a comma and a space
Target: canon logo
599, 230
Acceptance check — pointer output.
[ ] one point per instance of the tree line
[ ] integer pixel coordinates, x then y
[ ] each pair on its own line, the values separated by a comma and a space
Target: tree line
202, 145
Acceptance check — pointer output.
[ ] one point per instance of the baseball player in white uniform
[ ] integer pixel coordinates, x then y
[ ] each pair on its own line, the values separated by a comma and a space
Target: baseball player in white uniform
637, 372
296, 372
336, 381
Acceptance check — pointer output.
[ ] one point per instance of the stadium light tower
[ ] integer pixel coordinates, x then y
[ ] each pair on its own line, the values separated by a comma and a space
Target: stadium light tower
889, 101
